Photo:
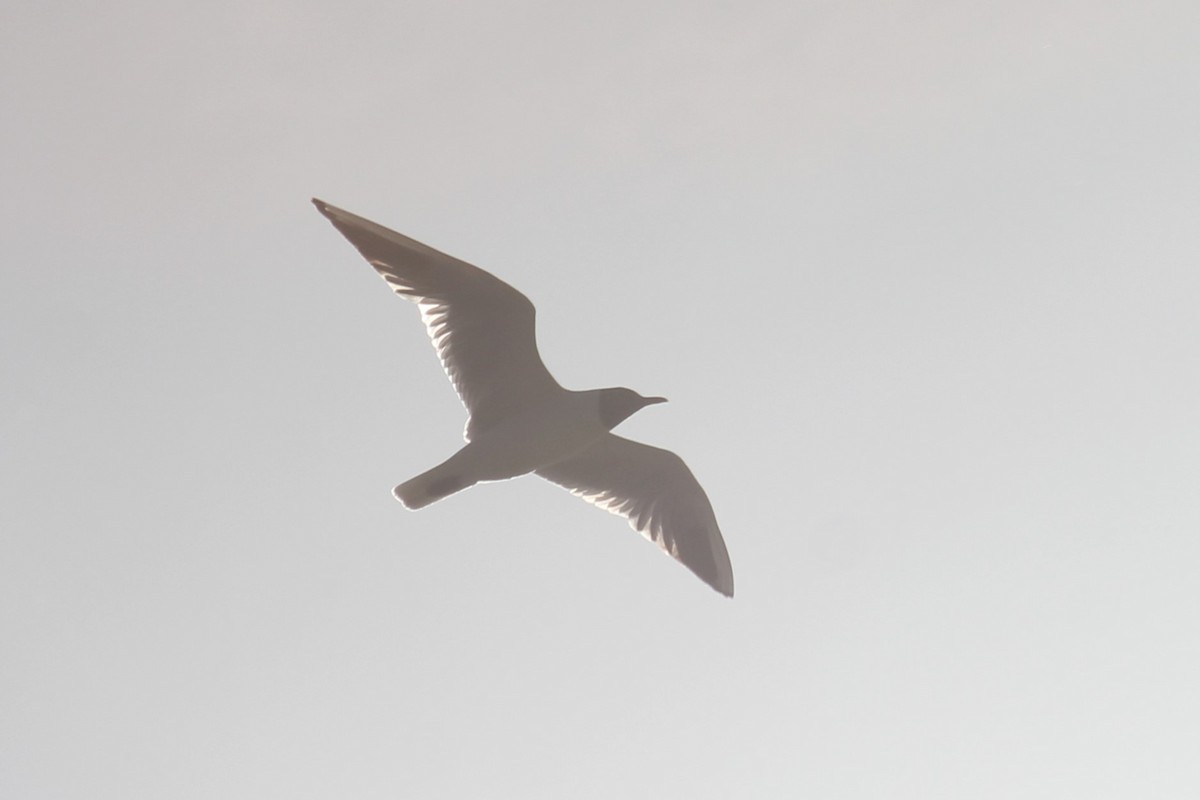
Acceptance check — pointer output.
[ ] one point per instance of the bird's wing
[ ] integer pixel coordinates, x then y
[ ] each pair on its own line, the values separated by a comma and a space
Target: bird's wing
657, 493
482, 328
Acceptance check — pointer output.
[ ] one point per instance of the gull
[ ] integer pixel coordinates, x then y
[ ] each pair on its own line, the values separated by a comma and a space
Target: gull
521, 420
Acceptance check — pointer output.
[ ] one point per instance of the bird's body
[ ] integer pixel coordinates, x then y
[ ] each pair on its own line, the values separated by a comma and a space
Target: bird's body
521, 420
555, 427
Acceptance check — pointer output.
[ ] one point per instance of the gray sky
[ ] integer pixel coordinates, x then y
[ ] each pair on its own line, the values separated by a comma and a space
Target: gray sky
918, 277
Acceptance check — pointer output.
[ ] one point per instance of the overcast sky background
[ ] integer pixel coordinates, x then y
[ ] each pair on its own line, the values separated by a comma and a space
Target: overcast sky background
919, 277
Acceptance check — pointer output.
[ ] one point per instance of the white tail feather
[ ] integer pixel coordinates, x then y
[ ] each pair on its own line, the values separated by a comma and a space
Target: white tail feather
431, 486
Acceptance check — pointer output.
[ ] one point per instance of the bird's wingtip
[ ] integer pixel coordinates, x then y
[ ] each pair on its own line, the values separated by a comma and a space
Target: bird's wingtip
721, 579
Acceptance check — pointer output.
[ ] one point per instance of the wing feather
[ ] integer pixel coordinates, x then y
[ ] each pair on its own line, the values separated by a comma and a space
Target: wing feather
482, 329
657, 493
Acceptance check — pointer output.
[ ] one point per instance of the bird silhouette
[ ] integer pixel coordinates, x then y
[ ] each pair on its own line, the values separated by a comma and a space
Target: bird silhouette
521, 420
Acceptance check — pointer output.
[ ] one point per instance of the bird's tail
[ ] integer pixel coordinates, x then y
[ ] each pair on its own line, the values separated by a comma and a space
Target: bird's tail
431, 486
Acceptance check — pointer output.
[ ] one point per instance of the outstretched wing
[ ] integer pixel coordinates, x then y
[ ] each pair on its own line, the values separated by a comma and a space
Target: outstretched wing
660, 497
482, 328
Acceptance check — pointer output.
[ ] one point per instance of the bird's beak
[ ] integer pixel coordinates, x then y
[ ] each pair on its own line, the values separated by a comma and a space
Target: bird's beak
649, 401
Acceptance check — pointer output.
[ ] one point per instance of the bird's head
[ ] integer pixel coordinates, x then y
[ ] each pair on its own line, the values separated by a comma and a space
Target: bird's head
617, 405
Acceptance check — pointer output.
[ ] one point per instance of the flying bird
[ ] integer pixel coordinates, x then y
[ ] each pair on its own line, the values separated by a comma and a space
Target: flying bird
521, 420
